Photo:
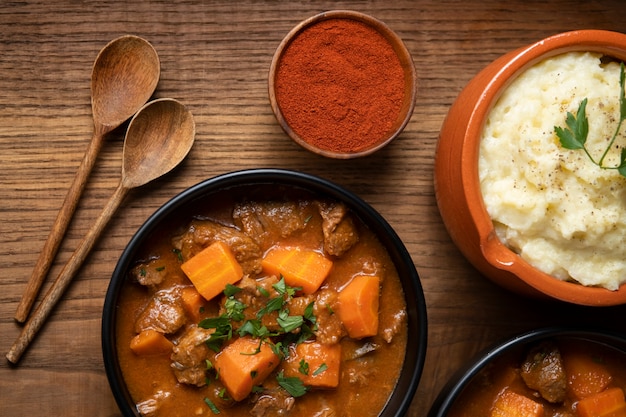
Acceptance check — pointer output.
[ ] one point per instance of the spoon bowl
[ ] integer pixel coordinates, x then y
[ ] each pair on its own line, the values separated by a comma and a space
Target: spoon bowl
124, 76
171, 129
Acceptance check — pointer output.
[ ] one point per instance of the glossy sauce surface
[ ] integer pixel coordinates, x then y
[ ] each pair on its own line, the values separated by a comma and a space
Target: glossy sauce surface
369, 366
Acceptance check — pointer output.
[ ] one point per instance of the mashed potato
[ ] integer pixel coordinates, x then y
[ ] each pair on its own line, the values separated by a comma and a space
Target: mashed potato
560, 212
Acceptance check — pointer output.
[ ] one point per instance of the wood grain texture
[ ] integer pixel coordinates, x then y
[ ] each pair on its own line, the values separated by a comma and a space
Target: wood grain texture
215, 56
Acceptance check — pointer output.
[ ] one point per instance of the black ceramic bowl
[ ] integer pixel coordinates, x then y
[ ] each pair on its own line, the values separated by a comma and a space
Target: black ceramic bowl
406, 386
464, 377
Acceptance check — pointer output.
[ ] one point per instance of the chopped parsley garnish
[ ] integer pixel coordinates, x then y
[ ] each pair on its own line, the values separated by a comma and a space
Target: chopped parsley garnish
323, 367
294, 329
212, 406
234, 309
253, 328
293, 385
304, 367
223, 330
263, 292
283, 289
231, 290
289, 323
274, 304
178, 253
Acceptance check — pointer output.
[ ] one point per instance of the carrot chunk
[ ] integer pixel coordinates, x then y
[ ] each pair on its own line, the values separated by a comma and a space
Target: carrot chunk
608, 403
193, 302
316, 364
586, 376
244, 363
511, 404
211, 269
300, 268
150, 342
358, 306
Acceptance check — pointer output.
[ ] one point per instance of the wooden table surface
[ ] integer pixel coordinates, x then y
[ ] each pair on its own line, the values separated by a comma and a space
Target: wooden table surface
215, 58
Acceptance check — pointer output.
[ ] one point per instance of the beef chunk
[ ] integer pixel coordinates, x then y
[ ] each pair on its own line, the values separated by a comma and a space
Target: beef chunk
329, 326
149, 273
268, 221
202, 233
340, 233
361, 371
273, 402
189, 356
164, 313
543, 371
393, 327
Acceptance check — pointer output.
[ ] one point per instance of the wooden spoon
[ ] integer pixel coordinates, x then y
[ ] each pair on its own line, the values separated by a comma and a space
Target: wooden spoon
124, 76
158, 139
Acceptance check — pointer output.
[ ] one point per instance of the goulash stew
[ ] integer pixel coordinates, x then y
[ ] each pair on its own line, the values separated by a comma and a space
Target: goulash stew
555, 378
281, 307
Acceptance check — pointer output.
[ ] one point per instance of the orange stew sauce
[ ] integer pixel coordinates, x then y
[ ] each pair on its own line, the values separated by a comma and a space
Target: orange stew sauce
561, 378
179, 374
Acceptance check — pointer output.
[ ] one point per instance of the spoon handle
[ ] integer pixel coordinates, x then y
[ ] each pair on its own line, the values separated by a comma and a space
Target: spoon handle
39, 316
51, 247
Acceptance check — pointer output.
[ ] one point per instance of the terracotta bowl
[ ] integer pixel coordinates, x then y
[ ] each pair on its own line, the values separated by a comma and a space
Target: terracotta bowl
409, 87
261, 183
457, 185
517, 345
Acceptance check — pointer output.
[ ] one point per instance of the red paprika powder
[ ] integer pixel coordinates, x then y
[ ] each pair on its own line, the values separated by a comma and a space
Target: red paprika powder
340, 85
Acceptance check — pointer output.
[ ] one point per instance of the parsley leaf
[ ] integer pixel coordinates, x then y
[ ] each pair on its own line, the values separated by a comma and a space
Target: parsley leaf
282, 288
293, 385
289, 323
304, 367
253, 328
223, 331
178, 253
231, 290
575, 135
212, 406
321, 369
274, 304
281, 350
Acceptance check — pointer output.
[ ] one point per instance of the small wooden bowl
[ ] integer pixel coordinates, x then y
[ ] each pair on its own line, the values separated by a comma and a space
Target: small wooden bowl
457, 185
406, 62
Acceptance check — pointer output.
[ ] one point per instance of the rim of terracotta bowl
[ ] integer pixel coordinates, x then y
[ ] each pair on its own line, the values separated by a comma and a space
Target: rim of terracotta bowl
406, 60
496, 253
410, 374
464, 376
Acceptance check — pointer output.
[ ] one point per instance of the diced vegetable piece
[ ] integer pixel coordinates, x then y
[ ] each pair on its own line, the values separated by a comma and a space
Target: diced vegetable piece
212, 268
316, 364
586, 376
511, 404
300, 268
193, 302
608, 403
150, 342
358, 306
244, 363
